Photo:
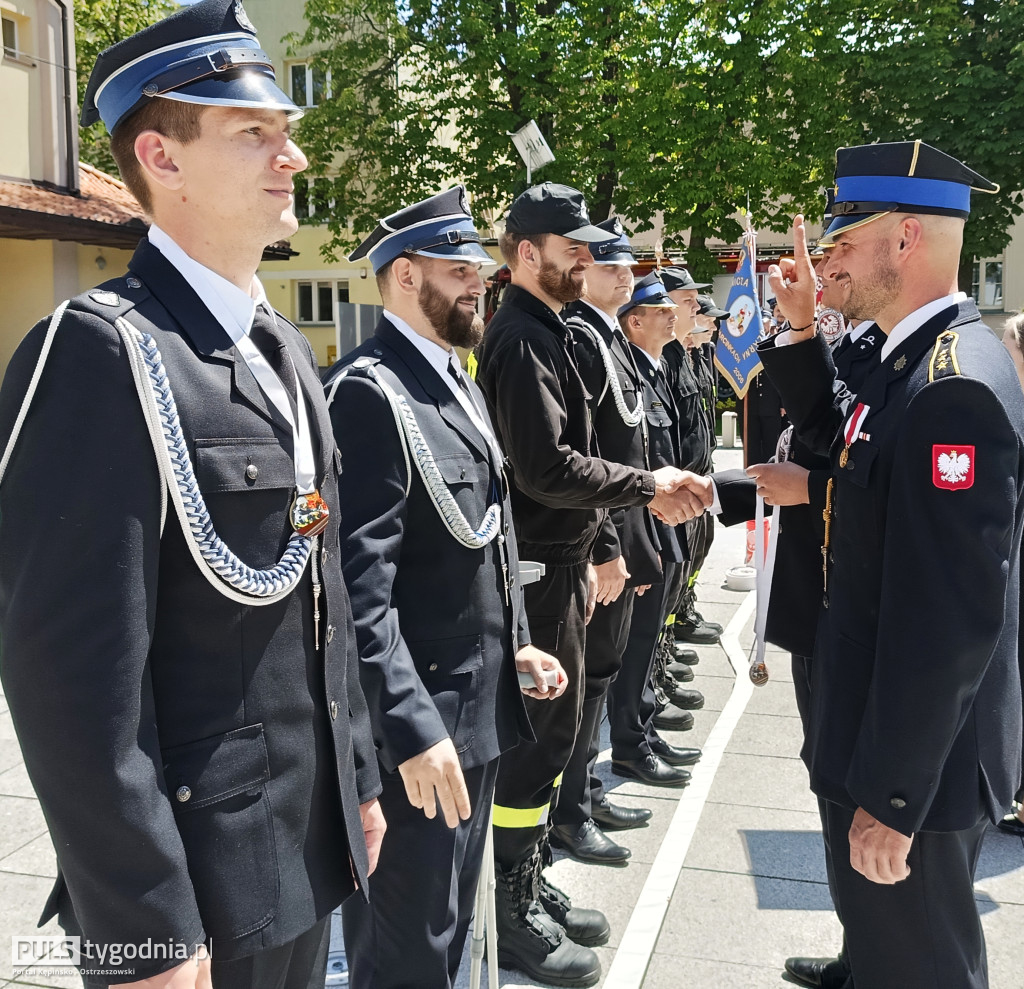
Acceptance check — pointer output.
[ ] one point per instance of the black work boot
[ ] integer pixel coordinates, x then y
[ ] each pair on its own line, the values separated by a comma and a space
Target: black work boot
529, 939
587, 927
692, 626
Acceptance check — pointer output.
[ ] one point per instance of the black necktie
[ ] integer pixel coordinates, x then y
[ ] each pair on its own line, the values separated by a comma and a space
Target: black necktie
460, 380
268, 340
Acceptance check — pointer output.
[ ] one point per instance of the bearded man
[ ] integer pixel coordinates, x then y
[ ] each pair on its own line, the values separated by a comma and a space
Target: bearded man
440, 626
561, 490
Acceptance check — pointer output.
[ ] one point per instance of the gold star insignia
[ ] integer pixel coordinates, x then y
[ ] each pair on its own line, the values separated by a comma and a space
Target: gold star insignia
901, 363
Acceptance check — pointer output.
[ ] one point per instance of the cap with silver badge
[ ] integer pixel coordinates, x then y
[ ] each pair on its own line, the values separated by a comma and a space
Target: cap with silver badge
618, 250
206, 53
438, 227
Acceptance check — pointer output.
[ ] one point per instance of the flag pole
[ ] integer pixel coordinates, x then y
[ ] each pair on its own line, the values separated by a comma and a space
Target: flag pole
748, 243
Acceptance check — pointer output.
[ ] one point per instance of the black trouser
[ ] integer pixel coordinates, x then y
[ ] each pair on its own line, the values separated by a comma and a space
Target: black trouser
700, 534
299, 964
801, 666
923, 932
413, 930
631, 701
602, 659
556, 607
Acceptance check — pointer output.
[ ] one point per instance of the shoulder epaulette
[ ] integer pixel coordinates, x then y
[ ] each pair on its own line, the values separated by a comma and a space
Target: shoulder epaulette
944, 362
362, 363
112, 299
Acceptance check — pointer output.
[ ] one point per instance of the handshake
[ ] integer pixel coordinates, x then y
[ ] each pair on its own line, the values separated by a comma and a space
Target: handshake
680, 495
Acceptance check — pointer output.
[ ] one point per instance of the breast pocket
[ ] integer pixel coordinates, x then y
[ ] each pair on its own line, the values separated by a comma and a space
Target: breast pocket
450, 669
242, 464
247, 484
860, 462
627, 387
461, 471
657, 415
218, 791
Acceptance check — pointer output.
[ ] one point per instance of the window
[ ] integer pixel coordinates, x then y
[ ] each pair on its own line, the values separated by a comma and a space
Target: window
987, 284
10, 32
316, 300
310, 84
313, 198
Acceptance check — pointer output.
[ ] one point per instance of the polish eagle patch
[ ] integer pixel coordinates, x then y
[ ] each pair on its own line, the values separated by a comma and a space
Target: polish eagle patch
953, 467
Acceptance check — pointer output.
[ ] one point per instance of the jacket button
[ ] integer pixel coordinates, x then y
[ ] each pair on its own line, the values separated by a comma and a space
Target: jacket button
330, 633
432, 667
334, 710
462, 474
182, 794
132, 282
897, 803
252, 472
324, 554
506, 528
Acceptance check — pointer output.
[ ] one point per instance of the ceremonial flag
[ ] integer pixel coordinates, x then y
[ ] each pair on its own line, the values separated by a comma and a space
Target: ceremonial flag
736, 353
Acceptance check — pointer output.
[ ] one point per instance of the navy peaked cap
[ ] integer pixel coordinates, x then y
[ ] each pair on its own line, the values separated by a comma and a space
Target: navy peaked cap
438, 227
651, 292
618, 249
206, 53
903, 177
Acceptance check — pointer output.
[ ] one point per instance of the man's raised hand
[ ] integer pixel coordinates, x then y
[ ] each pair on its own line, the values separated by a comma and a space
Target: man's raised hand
795, 286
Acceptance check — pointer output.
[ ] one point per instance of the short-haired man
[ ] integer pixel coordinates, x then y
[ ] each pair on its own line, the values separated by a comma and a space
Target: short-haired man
915, 724
560, 491
583, 812
690, 377
190, 715
638, 751
427, 549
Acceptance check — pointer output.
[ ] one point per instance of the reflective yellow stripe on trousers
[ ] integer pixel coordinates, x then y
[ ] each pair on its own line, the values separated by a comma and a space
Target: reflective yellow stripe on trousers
522, 817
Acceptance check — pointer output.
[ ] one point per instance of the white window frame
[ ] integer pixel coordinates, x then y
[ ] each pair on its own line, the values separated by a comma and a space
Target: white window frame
319, 318
309, 83
981, 266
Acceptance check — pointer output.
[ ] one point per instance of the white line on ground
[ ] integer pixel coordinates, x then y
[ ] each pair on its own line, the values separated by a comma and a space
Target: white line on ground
640, 938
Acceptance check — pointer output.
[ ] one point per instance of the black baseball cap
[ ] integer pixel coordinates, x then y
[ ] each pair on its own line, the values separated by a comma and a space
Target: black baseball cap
550, 208
677, 278
708, 307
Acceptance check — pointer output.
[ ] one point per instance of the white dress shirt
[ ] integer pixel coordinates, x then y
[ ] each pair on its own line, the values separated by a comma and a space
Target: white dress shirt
231, 307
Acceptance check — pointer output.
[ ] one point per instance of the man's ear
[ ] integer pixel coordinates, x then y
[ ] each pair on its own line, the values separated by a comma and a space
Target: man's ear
156, 153
909, 233
403, 277
529, 254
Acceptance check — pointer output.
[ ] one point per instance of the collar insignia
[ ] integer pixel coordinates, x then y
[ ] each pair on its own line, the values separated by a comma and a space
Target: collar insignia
901, 363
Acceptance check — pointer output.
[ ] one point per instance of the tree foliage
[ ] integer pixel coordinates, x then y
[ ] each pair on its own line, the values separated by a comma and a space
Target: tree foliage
98, 25
675, 110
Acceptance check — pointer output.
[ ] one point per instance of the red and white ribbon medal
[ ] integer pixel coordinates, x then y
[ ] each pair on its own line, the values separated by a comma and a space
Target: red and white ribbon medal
852, 430
953, 467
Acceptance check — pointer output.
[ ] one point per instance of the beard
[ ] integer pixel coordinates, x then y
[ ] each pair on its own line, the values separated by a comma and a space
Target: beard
560, 284
457, 326
880, 288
